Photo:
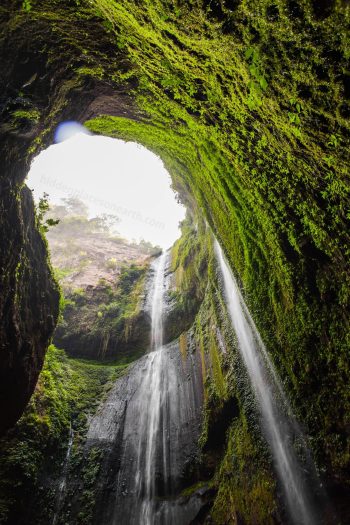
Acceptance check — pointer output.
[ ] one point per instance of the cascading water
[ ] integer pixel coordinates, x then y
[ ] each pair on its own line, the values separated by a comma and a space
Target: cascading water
278, 425
148, 430
152, 393
157, 304
63, 481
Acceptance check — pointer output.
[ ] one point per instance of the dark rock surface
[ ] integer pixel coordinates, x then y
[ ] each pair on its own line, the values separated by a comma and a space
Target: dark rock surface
82, 343
117, 430
33, 80
28, 304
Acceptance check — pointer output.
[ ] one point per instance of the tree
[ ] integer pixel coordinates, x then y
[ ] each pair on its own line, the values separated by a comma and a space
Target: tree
41, 210
75, 206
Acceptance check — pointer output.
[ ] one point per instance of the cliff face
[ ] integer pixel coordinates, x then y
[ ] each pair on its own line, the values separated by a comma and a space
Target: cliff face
247, 103
103, 279
118, 432
28, 304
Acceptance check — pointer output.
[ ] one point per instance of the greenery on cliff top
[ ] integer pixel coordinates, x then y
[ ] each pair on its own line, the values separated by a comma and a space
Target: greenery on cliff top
102, 277
107, 322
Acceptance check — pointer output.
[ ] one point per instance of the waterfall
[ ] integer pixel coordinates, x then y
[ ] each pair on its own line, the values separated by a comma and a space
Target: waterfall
148, 430
152, 389
278, 424
63, 482
157, 304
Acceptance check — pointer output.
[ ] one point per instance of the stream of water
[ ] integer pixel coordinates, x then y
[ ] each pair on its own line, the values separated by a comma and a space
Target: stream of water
152, 392
279, 426
148, 430
63, 482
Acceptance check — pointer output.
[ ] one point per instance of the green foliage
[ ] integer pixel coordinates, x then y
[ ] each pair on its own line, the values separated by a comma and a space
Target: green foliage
111, 263
122, 302
61, 273
43, 207
258, 83
27, 6
25, 114
101, 321
41, 212
149, 247
89, 476
67, 392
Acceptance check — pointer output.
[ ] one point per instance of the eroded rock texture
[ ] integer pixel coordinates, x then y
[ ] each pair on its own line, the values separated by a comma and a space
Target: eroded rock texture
247, 102
120, 432
28, 303
37, 89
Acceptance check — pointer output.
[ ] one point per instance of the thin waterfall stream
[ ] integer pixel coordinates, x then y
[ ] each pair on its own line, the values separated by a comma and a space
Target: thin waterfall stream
152, 391
63, 481
148, 429
279, 426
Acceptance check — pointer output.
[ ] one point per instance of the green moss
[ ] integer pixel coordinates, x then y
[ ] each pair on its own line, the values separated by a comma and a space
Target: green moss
246, 484
249, 109
219, 380
26, 6
96, 72
188, 261
61, 273
89, 474
67, 392
190, 491
22, 114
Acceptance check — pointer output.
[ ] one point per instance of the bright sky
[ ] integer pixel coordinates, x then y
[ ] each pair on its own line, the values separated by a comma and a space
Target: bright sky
114, 177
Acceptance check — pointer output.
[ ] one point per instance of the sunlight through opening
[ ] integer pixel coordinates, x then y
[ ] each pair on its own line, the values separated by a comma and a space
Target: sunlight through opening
111, 177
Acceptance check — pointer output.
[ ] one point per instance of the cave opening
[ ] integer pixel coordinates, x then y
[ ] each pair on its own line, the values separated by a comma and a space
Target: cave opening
112, 221
118, 185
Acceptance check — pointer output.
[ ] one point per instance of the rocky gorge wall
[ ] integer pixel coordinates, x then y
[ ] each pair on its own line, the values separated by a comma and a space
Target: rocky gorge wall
225, 473
81, 410
28, 303
247, 103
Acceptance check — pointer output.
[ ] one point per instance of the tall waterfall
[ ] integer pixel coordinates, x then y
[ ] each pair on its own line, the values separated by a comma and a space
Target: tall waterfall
152, 392
278, 424
157, 304
148, 430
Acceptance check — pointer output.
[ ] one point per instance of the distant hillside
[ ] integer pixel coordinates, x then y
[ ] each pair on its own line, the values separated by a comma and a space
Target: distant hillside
103, 278
85, 251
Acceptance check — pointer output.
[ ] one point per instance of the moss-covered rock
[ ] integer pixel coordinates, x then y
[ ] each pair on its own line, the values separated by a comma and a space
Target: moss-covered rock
32, 453
247, 103
107, 321
186, 277
28, 302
